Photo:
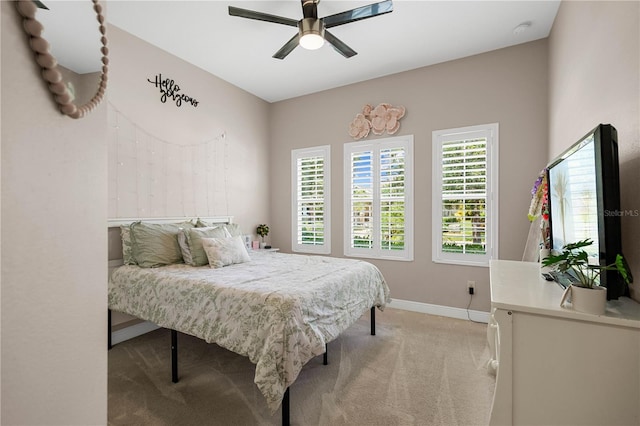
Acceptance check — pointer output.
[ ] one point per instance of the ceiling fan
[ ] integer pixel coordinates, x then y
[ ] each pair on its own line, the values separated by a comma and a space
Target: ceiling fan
312, 31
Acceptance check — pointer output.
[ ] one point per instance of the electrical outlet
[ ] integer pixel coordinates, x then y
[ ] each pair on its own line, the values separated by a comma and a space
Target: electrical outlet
471, 286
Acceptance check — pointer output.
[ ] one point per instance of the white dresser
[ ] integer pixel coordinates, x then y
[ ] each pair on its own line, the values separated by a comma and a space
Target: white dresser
556, 366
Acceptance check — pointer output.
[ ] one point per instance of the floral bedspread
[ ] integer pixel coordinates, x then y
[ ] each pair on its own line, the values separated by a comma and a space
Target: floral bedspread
279, 309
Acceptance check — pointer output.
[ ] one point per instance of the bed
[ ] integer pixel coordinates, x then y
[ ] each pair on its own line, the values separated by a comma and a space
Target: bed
279, 310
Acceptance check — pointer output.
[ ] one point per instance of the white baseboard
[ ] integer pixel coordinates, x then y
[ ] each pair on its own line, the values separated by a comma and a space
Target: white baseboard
407, 305
444, 311
136, 330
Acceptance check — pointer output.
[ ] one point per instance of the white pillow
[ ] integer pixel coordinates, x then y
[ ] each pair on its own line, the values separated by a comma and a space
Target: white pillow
225, 251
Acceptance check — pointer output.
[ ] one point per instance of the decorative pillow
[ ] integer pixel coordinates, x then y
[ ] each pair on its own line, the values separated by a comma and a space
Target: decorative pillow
155, 244
202, 224
186, 224
191, 243
127, 245
225, 251
233, 228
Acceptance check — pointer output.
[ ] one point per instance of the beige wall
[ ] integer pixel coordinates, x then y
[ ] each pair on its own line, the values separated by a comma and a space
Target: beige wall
594, 77
508, 86
237, 182
53, 269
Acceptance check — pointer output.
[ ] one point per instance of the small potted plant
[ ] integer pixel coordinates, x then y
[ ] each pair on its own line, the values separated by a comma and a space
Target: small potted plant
263, 231
586, 294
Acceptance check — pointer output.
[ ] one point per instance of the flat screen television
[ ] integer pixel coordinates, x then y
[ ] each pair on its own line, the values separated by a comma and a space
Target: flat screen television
584, 201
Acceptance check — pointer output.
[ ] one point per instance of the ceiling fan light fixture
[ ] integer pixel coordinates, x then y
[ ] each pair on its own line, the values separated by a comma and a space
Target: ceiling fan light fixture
311, 33
311, 41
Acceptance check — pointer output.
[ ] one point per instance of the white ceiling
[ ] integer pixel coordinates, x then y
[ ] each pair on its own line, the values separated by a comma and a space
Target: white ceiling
238, 50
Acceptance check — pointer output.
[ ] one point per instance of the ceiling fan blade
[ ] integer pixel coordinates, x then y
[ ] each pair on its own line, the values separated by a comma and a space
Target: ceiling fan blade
358, 13
259, 16
288, 47
40, 4
339, 45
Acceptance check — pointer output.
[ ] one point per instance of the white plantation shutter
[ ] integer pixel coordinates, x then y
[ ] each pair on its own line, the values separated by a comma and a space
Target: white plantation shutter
310, 181
361, 203
379, 199
465, 195
392, 198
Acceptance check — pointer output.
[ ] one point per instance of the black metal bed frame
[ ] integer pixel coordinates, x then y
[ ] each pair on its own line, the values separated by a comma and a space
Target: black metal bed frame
285, 400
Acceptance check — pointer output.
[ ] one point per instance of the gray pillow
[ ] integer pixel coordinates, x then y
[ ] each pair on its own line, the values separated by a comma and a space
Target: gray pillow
233, 228
127, 246
156, 244
202, 224
192, 251
184, 247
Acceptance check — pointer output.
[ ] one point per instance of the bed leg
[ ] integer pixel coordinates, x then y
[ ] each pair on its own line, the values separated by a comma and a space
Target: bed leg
325, 361
285, 408
109, 328
174, 356
373, 321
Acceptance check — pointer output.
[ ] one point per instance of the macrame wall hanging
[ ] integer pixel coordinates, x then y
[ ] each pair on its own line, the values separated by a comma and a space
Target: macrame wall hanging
152, 177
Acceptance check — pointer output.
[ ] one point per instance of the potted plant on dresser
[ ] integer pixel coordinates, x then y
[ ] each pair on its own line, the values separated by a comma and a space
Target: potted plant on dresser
585, 293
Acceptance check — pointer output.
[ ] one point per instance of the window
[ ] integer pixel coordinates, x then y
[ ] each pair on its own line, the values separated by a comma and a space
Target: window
311, 183
379, 198
465, 195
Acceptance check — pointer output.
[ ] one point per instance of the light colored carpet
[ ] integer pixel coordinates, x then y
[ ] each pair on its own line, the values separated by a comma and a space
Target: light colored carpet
418, 370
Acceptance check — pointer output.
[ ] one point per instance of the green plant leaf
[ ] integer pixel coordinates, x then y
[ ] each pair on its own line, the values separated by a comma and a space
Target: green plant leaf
577, 245
555, 258
621, 267
581, 256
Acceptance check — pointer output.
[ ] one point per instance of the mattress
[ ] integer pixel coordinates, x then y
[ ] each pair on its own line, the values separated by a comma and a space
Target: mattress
279, 310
